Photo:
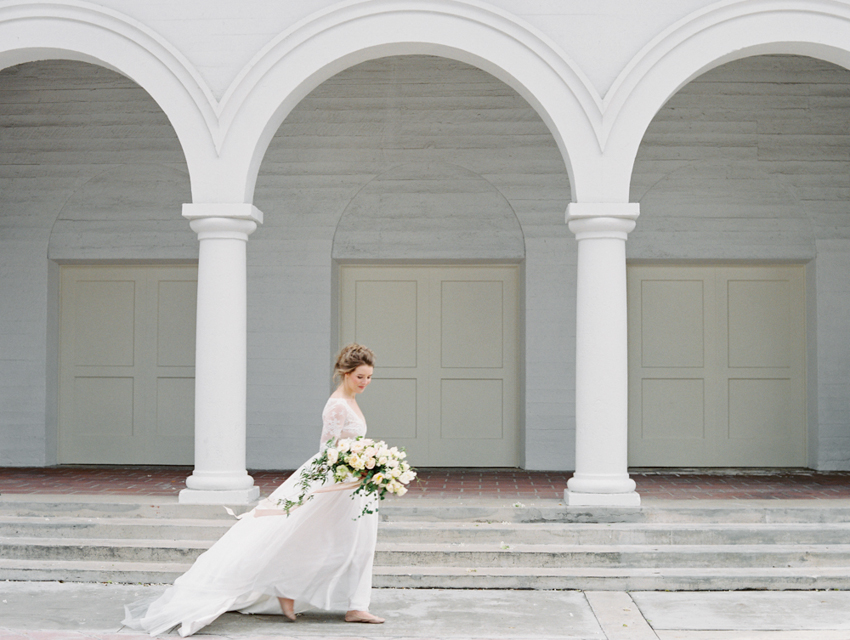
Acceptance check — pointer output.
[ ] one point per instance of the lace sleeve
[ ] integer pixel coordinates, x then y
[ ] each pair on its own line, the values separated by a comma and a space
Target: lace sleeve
333, 421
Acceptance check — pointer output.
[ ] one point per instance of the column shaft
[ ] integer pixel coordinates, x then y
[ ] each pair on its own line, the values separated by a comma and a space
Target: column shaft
601, 476
220, 475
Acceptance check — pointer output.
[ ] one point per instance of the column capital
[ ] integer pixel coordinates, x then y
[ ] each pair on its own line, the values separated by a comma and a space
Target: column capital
223, 228
231, 210
602, 219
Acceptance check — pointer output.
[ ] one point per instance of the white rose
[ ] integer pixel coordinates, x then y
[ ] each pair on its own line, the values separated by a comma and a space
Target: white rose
370, 463
333, 456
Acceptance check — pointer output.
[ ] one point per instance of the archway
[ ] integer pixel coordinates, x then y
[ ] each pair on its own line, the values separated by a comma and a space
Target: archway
84, 32
706, 39
297, 62
745, 169
413, 162
91, 182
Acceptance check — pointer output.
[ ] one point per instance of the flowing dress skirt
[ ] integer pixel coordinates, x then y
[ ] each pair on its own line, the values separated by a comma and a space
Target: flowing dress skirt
320, 556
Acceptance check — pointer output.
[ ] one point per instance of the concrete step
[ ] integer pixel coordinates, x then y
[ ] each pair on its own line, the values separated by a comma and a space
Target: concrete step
482, 512
626, 556
103, 550
656, 533
449, 532
413, 577
448, 544
88, 571
669, 512
612, 578
116, 528
111, 507
478, 555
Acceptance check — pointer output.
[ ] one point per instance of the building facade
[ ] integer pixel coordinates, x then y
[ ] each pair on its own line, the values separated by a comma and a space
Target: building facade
577, 239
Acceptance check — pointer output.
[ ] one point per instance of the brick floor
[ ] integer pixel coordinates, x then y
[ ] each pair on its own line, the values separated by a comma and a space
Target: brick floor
451, 483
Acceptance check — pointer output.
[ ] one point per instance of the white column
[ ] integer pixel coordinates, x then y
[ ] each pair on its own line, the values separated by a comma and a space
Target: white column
601, 477
221, 355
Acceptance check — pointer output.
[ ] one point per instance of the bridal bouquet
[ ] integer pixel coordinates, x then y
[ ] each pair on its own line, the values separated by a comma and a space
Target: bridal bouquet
370, 466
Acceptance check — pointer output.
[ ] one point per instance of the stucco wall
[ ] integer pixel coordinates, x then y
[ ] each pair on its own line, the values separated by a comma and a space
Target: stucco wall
222, 38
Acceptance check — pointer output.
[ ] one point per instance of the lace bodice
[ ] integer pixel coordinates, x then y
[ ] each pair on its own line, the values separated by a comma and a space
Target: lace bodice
339, 420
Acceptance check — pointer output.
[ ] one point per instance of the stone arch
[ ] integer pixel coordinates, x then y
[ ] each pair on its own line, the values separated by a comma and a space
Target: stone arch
498, 43
76, 30
718, 34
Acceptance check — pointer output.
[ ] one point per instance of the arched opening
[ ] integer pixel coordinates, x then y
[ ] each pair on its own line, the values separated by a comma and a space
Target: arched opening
736, 265
298, 61
96, 255
414, 163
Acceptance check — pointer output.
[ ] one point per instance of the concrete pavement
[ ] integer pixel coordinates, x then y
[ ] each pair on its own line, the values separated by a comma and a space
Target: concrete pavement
79, 611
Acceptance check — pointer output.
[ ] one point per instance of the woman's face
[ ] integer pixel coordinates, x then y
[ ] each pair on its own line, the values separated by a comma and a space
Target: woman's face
359, 379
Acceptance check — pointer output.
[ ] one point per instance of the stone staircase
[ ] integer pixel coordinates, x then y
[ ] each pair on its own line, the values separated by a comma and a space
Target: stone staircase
691, 545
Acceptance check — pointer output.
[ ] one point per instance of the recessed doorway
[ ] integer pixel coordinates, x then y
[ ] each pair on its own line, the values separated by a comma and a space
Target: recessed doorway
446, 384
717, 363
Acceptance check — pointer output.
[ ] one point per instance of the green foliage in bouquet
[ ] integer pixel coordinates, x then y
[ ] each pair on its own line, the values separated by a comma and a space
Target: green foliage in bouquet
371, 466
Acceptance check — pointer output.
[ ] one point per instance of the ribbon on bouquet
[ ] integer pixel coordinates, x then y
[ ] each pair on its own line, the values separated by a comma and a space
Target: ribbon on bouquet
265, 508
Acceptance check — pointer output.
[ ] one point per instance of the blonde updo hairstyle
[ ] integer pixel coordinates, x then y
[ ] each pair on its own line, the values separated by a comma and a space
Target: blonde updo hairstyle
352, 356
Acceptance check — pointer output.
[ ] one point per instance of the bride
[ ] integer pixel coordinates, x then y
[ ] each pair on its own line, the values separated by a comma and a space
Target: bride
318, 556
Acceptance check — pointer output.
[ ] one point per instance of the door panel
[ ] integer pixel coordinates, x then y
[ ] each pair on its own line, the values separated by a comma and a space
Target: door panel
446, 383
103, 407
672, 409
717, 366
471, 324
471, 410
105, 323
672, 339
127, 351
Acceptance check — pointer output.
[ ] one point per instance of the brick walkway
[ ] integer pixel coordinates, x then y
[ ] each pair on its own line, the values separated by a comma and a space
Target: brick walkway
450, 483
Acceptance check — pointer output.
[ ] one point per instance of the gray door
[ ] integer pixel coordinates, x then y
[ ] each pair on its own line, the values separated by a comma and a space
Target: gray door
127, 357
446, 379
717, 366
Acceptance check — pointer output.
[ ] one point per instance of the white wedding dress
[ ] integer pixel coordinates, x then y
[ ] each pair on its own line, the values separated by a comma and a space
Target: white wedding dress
320, 555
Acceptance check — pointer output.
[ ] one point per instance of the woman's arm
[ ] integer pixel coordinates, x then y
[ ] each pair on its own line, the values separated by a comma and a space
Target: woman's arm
333, 421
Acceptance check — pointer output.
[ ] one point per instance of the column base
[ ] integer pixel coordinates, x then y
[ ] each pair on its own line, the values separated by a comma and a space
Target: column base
575, 499
230, 496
